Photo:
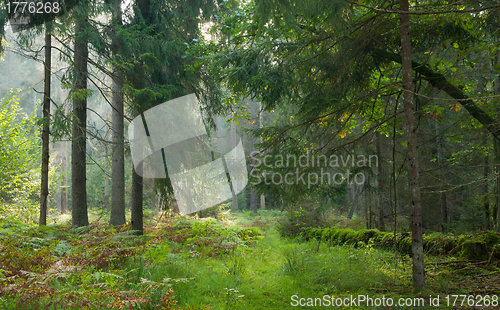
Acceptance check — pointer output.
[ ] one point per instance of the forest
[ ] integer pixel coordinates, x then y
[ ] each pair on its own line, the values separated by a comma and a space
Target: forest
249, 154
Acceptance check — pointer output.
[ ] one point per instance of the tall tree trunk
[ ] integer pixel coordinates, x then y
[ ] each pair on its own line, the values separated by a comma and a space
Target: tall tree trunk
481, 81
136, 197
106, 178
64, 188
262, 197
416, 216
496, 155
366, 194
253, 193
444, 209
380, 186
442, 193
45, 133
136, 205
117, 166
79, 139
486, 201
234, 189
496, 149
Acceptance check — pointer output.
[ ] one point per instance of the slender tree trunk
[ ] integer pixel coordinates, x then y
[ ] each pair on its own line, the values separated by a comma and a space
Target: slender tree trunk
496, 156
481, 81
136, 195
106, 178
366, 195
262, 197
416, 216
117, 166
137, 202
442, 193
486, 201
380, 185
79, 144
496, 169
253, 193
234, 189
64, 189
45, 133
444, 209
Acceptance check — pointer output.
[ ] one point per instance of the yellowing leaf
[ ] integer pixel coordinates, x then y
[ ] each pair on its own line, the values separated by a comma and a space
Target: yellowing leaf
457, 107
342, 134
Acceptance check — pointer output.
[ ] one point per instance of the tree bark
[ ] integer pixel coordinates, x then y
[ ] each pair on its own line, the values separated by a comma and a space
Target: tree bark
416, 217
136, 208
79, 140
262, 197
106, 178
380, 186
367, 206
253, 193
496, 155
45, 133
486, 201
117, 166
64, 189
234, 189
442, 193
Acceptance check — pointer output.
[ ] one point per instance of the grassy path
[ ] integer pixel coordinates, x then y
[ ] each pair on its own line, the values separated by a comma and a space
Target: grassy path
267, 275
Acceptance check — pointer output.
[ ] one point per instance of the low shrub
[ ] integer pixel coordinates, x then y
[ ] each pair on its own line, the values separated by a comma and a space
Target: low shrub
298, 218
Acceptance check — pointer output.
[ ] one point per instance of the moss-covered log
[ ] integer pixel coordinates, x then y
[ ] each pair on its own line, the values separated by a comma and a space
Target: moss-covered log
484, 246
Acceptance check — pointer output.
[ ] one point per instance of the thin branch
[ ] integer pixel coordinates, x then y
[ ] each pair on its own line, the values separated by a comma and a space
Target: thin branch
424, 13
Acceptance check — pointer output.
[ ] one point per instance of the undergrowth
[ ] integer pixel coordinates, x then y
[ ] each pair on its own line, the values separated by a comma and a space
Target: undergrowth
188, 263
97, 267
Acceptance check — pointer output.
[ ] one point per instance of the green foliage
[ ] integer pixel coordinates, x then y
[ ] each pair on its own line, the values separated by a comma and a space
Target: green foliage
300, 217
207, 237
20, 155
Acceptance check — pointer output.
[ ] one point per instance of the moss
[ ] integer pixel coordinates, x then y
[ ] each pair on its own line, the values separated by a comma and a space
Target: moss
326, 234
490, 238
404, 246
387, 238
495, 252
462, 239
342, 235
476, 247
474, 250
351, 237
367, 234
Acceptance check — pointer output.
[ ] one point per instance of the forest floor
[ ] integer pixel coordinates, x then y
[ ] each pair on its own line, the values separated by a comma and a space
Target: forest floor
238, 262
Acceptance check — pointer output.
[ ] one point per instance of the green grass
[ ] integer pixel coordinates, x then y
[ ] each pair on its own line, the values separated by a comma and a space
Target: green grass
266, 275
